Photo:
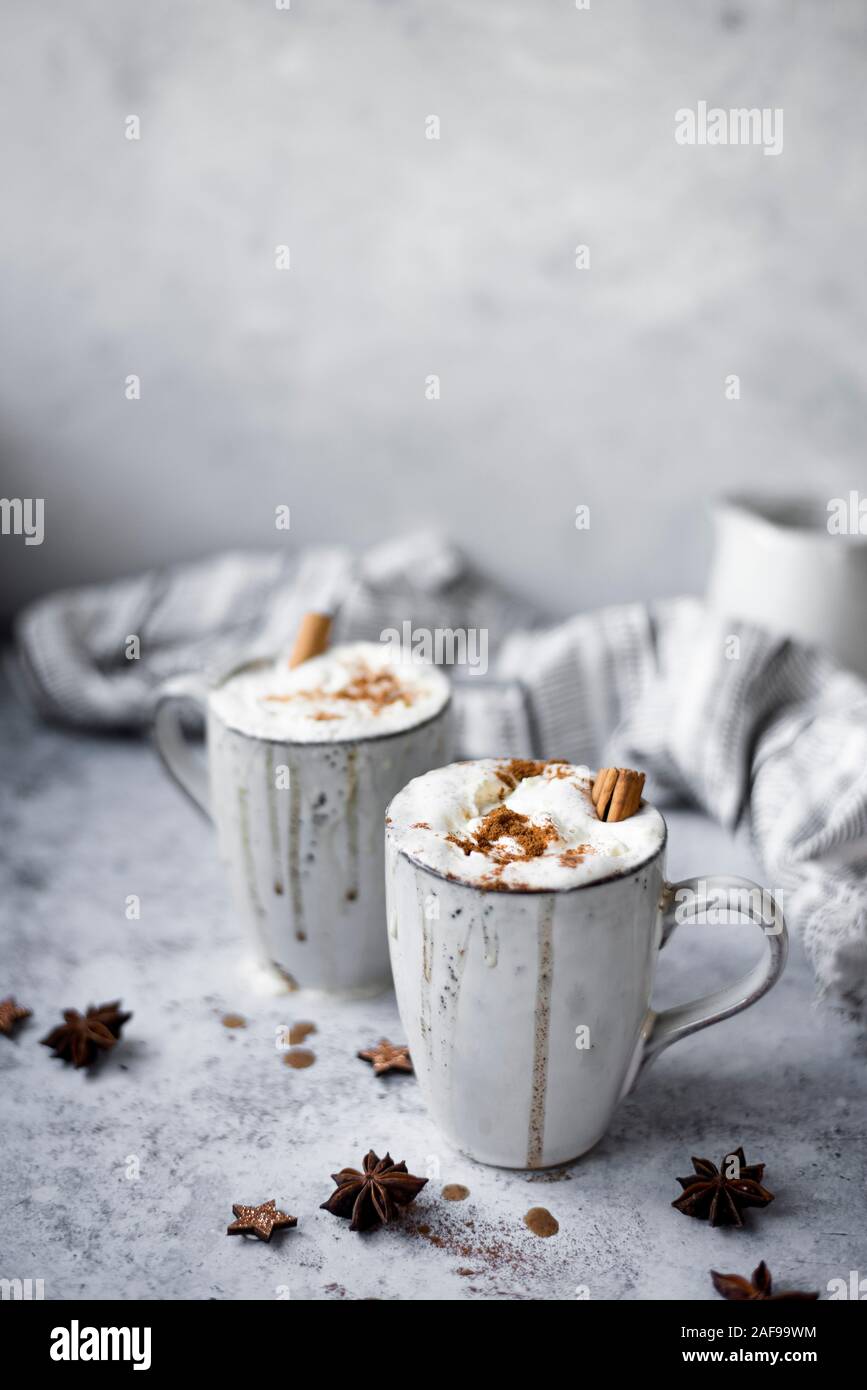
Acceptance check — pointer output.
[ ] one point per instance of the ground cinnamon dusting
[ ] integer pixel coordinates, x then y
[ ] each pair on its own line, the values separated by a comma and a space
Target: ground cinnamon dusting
376, 689
504, 823
455, 1192
495, 883
570, 858
234, 1021
492, 1250
517, 769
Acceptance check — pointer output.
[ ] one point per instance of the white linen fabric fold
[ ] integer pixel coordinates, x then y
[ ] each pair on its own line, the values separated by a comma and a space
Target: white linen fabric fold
754, 730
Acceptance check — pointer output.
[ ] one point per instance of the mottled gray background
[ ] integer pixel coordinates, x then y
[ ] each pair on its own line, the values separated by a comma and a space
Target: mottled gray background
411, 257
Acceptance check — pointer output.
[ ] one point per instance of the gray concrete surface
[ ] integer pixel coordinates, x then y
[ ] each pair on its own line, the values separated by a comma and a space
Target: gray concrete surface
206, 1116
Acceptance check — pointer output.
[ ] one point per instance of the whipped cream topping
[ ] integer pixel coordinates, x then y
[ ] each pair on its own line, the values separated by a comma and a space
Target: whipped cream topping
502, 823
359, 690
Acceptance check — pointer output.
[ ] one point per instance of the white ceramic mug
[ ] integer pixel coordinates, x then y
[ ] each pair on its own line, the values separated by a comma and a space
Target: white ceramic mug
795, 567
495, 990
299, 828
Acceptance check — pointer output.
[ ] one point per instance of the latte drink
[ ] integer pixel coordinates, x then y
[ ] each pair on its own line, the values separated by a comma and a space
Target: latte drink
302, 764
518, 826
523, 934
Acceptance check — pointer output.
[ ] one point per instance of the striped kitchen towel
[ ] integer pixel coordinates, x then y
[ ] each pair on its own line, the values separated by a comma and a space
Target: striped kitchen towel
75, 661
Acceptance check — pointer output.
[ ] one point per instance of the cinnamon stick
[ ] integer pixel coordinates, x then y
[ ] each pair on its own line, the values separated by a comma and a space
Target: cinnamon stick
606, 779
312, 638
616, 793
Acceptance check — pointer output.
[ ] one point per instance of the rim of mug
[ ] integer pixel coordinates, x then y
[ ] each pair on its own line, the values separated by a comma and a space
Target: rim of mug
798, 515
263, 661
537, 892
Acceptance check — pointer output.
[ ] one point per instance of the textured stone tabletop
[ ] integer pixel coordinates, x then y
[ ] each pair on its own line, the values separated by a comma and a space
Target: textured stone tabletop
121, 1182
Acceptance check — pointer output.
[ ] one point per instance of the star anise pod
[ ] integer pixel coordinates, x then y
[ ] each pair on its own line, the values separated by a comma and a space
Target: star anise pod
759, 1288
372, 1197
387, 1056
81, 1037
11, 1014
711, 1195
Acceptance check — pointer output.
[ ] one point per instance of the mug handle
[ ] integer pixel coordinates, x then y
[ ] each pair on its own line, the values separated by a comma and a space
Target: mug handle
660, 1030
185, 767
